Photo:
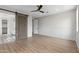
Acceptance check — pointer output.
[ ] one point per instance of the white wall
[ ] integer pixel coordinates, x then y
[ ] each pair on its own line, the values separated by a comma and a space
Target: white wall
11, 26
62, 25
0, 26
29, 26
35, 26
77, 32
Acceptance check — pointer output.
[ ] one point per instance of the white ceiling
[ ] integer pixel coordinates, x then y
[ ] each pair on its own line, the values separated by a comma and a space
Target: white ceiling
6, 15
49, 9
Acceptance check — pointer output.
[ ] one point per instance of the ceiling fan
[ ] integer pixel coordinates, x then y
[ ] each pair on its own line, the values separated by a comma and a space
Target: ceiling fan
39, 9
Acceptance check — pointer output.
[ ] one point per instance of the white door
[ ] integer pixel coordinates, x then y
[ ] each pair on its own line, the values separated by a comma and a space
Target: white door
35, 25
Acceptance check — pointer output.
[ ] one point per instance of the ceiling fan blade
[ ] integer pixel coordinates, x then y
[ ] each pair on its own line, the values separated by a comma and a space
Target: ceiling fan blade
41, 11
39, 7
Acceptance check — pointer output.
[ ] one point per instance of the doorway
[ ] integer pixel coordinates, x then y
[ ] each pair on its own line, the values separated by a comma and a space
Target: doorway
35, 26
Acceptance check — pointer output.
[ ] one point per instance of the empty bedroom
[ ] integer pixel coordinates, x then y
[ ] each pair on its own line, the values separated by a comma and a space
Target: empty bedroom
39, 29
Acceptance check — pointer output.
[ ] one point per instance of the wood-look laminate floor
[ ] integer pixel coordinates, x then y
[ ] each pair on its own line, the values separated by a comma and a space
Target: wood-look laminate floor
39, 44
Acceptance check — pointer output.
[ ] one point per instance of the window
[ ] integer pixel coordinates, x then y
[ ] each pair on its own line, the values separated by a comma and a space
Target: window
4, 26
